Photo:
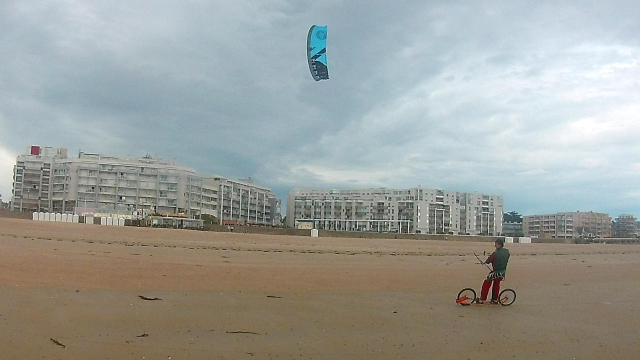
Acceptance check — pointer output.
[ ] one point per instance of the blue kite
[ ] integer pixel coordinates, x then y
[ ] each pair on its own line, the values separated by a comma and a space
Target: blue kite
317, 52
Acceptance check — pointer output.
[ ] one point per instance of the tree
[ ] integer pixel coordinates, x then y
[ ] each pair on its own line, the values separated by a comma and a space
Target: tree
512, 217
209, 219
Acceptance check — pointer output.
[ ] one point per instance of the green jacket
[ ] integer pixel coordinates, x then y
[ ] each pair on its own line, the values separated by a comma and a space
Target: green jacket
499, 260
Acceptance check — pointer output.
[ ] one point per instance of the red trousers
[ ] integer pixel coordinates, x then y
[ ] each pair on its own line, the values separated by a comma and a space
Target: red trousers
496, 288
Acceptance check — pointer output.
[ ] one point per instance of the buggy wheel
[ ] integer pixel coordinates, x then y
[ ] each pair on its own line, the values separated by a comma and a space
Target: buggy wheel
507, 297
466, 296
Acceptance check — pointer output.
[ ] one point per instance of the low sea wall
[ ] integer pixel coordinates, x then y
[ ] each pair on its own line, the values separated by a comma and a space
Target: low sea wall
344, 234
15, 214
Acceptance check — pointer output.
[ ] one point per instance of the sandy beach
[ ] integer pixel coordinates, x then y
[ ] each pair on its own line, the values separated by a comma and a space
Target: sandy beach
75, 291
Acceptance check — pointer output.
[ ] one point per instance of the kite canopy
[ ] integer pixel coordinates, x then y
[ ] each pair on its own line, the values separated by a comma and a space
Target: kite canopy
317, 52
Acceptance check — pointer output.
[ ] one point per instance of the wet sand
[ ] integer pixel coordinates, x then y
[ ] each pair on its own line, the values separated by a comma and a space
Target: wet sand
241, 296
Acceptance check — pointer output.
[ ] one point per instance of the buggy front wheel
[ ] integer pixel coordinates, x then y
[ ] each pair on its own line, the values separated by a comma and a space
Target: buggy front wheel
507, 297
466, 296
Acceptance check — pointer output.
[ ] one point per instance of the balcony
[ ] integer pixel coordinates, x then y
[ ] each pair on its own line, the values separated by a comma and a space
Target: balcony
148, 186
106, 196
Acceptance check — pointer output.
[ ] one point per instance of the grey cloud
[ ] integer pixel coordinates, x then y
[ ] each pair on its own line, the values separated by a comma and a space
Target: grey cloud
489, 97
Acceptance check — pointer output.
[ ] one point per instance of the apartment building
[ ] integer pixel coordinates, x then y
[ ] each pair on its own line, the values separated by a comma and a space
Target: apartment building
513, 229
244, 202
32, 178
415, 210
567, 225
48, 180
625, 226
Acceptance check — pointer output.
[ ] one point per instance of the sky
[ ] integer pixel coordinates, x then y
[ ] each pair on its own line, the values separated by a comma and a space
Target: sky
536, 101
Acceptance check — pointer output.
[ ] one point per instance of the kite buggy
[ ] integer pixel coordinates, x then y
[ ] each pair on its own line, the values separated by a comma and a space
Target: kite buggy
467, 296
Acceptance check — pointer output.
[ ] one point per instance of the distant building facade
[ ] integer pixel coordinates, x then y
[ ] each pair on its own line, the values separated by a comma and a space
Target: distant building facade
625, 226
513, 229
48, 180
568, 225
244, 202
415, 210
32, 178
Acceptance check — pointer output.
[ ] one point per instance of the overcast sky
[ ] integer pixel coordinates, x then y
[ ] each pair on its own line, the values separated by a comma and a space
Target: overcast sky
537, 101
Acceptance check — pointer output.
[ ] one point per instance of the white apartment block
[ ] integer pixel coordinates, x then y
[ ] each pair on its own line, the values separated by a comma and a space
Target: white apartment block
416, 210
242, 201
567, 225
47, 180
32, 178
